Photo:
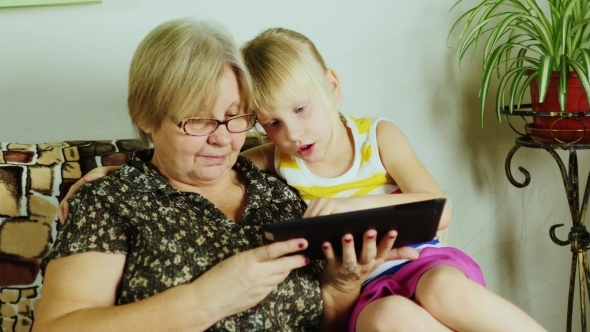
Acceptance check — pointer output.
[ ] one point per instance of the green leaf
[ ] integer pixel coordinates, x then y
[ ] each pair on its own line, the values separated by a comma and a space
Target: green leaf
585, 55
524, 85
501, 90
515, 83
545, 64
583, 75
489, 67
562, 83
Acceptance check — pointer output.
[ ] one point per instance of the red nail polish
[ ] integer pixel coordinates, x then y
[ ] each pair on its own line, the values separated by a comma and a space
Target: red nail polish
370, 237
347, 240
306, 260
301, 245
325, 247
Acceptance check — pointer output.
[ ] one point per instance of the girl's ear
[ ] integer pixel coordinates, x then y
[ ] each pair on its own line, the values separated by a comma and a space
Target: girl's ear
333, 83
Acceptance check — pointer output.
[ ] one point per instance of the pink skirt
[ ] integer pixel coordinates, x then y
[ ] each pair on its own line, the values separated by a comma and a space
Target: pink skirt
404, 281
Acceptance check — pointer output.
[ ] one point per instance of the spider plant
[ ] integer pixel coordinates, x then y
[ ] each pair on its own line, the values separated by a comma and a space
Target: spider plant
524, 43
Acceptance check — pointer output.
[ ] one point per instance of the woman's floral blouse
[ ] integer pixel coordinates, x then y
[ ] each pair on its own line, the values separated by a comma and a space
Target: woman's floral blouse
172, 237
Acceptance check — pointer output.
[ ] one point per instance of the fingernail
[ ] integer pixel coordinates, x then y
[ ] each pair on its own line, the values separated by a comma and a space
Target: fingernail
301, 245
392, 236
370, 237
347, 240
325, 247
306, 260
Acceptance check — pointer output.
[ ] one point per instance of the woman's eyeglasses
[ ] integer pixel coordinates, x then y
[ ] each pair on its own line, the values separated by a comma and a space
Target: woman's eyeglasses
206, 127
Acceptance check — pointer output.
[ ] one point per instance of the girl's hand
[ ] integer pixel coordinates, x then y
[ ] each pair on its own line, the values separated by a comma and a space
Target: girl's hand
347, 273
327, 206
63, 209
243, 280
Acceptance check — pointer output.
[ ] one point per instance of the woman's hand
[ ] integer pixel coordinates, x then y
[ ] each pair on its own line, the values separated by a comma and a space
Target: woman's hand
343, 276
243, 280
63, 208
348, 272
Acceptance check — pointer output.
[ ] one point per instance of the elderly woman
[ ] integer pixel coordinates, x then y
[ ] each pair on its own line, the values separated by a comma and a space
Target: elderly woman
172, 240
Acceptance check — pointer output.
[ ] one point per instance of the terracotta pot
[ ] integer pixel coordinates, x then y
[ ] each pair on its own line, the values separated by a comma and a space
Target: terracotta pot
576, 102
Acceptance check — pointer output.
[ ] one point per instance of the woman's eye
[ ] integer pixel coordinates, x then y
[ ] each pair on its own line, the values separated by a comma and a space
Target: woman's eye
300, 109
272, 124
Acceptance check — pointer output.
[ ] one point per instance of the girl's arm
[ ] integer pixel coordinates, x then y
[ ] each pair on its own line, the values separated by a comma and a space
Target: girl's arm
263, 157
402, 164
63, 210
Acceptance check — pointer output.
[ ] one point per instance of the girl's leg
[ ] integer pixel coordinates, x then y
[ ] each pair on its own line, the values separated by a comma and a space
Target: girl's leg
464, 305
397, 313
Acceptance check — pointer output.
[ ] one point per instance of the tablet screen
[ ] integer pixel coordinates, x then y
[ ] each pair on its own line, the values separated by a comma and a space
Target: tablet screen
414, 222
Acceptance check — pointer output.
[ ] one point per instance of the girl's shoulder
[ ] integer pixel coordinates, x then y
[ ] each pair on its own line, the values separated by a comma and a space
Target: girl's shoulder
262, 156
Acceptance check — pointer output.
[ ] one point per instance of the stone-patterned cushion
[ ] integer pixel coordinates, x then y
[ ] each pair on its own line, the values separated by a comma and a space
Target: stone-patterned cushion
33, 179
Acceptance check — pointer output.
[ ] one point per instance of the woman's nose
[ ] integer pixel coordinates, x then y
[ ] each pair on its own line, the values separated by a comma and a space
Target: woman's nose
221, 136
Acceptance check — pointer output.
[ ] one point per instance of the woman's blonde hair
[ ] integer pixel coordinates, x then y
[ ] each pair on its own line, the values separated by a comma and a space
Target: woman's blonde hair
177, 71
284, 66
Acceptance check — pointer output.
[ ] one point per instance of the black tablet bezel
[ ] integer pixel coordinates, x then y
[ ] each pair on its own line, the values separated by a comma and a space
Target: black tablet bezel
415, 223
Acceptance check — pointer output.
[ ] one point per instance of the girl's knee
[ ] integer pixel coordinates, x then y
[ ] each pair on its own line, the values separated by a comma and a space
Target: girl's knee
438, 284
392, 313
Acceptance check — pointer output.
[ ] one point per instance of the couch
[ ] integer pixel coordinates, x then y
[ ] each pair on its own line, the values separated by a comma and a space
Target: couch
33, 180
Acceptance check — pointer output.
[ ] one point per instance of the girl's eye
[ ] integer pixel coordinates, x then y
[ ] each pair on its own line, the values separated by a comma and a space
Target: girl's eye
300, 109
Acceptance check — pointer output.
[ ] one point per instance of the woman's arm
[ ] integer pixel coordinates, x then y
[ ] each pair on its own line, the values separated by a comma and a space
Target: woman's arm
79, 292
79, 295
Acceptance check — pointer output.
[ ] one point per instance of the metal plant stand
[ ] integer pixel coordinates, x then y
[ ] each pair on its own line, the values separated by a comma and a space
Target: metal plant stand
578, 238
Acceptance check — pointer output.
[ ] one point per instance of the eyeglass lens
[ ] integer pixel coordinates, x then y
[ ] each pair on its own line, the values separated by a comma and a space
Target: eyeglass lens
197, 126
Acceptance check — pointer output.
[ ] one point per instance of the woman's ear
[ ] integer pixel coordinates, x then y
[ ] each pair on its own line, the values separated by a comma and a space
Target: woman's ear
145, 128
333, 83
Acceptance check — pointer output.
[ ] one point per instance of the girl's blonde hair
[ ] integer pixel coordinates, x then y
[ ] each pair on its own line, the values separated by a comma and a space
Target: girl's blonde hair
284, 66
177, 71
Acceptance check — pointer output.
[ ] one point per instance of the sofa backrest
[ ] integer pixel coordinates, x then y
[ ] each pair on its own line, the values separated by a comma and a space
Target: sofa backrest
33, 180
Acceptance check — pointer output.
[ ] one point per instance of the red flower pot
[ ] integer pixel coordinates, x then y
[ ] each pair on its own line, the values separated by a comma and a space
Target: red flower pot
576, 102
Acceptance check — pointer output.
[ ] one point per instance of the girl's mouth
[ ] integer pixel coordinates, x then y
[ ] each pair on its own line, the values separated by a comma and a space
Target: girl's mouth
306, 150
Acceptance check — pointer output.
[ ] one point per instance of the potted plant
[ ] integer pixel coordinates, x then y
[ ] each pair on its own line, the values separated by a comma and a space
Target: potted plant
548, 51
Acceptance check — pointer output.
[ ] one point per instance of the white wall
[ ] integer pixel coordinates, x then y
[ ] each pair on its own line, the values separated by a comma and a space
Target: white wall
63, 76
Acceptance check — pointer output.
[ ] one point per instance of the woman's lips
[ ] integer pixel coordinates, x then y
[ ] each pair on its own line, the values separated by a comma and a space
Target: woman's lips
306, 150
217, 159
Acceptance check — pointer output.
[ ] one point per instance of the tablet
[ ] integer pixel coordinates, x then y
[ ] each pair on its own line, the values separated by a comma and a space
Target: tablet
414, 222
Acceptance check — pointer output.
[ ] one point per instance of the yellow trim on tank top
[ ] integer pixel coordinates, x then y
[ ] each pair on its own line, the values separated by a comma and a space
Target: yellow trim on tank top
366, 153
363, 124
286, 161
370, 183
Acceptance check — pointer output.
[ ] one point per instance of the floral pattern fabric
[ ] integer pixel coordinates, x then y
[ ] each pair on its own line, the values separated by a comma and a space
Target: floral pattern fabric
172, 237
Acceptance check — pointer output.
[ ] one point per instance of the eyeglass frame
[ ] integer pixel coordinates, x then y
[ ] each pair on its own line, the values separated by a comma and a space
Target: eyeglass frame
182, 124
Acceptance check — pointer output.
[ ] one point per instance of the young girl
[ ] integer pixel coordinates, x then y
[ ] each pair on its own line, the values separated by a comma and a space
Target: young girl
339, 163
